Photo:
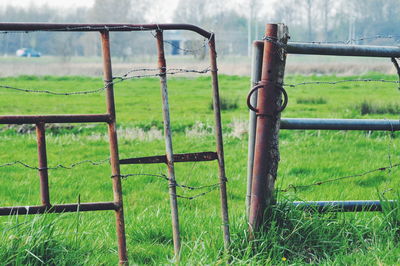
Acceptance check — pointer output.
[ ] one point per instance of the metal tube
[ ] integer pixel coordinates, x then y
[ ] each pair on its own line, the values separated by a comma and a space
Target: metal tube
34, 119
266, 155
340, 124
220, 145
182, 157
42, 155
341, 49
168, 144
256, 65
100, 27
343, 206
60, 208
114, 158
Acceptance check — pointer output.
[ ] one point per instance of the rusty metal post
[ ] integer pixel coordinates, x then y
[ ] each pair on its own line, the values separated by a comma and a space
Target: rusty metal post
219, 142
256, 64
114, 158
266, 154
43, 171
168, 144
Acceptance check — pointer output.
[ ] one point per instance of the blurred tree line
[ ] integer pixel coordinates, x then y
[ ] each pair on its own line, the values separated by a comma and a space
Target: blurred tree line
235, 25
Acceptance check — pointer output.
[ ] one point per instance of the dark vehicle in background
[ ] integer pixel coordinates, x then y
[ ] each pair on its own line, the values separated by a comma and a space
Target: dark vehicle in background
27, 52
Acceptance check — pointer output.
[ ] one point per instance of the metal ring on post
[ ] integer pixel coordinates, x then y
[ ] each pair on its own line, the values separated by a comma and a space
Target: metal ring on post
282, 107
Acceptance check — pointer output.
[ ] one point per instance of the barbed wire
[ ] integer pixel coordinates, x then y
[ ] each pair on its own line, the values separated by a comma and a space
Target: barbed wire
198, 195
54, 92
318, 183
116, 79
57, 166
164, 177
173, 183
211, 187
170, 71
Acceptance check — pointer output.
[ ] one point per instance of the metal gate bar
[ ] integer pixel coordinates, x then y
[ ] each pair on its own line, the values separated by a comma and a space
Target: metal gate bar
113, 140
34, 119
43, 173
340, 124
340, 49
343, 206
168, 143
59, 208
109, 118
219, 143
178, 158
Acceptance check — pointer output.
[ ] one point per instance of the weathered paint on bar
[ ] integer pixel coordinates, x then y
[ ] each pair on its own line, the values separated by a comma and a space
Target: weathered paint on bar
340, 124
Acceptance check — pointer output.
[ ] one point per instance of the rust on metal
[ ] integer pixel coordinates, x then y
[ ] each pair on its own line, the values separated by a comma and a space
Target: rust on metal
59, 208
110, 119
100, 27
182, 157
256, 65
162, 65
114, 157
34, 119
220, 145
340, 49
43, 173
267, 105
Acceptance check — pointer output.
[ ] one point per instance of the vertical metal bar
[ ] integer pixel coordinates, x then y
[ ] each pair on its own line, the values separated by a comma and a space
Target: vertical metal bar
168, 144
114, 158
43, 173
219, 143
266, 154
256, 64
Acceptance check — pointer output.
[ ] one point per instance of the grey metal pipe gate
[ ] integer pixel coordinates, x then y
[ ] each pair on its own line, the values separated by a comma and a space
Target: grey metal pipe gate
315, 123
110, 118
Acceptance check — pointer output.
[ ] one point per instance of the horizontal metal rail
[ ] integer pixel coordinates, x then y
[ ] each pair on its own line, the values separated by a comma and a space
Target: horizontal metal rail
343, 206
34, 119
100, 27
182, 157
343, 50
95, 206
340, 124
340, 49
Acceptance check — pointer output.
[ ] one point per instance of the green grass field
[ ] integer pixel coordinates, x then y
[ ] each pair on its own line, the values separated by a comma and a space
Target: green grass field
292, 237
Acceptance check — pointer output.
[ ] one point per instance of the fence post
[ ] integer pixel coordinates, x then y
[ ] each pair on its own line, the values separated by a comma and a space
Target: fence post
256, 64
266, 152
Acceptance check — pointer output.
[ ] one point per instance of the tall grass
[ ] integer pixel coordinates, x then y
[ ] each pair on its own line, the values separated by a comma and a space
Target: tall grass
41, 240
368, 107
294, 236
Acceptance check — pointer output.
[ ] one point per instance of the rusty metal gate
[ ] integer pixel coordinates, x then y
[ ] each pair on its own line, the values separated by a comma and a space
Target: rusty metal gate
110, 119
268, 65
